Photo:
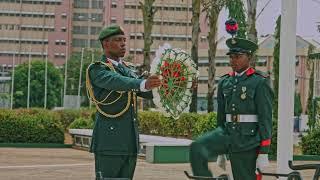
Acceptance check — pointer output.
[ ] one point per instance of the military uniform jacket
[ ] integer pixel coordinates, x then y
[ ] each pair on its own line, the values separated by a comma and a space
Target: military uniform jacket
115, 135
249, 94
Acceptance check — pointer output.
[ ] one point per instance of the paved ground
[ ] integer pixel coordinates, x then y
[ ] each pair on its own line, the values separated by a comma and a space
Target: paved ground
71, 164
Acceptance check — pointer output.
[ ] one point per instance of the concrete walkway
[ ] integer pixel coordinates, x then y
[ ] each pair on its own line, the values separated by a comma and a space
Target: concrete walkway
71, 164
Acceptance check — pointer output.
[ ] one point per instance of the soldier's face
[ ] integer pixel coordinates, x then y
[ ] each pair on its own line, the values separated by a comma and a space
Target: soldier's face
115, 46
239, 62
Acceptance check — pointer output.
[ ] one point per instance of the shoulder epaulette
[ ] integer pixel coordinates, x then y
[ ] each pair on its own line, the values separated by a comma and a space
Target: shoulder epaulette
97, 62
263, 74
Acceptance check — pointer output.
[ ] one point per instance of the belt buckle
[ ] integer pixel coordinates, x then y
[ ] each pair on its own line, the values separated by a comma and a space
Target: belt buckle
235, 118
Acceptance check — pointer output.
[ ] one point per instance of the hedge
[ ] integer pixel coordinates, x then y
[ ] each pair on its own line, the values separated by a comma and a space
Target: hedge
67, 116
310, 143
30, 126
189, 125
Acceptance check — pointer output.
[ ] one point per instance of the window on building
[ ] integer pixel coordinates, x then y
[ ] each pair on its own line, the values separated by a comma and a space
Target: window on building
97, 4
63, 29
80, 30
80, 16
114, 20
63, 15
79, 42
96, 17
114, 5
81, 3
95, 30
95, 43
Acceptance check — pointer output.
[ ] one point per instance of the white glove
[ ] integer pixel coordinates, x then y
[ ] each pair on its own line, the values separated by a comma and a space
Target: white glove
221, 161
262, 162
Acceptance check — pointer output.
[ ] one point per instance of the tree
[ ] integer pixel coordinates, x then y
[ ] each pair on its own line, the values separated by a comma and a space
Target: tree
212, 9
276, 55
73, 70
251, 28
148, 12
194, 47
37, 85
297, 105
310, 105
237, 12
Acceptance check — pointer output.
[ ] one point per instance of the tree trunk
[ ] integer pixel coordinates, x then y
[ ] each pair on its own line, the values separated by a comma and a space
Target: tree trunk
194, 48
148, 12
213, 20
252, 31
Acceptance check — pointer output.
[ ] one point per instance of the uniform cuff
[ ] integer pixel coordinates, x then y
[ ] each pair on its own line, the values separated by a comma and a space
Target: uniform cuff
265, 146
143, 86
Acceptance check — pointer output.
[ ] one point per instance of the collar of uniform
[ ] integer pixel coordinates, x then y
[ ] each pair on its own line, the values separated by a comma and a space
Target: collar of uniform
248, 72
240, 74
116, 63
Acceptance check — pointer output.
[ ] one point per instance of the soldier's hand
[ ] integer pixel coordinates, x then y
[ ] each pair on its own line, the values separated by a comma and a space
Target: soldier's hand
152, 81
221, 161
262, 162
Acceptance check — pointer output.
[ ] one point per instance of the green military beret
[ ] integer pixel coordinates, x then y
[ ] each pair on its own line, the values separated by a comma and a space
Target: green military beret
315, 56
109, 31
241, 46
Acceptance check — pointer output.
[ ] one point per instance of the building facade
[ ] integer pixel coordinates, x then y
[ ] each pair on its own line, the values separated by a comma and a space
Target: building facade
34, 28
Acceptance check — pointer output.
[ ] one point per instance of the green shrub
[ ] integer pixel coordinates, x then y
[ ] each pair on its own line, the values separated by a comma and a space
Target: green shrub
67, 116
189, 125
310, 143
30, 126
82, 123
273, 147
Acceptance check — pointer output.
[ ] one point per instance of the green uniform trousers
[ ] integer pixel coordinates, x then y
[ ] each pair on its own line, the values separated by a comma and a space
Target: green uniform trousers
115, 167
216, 143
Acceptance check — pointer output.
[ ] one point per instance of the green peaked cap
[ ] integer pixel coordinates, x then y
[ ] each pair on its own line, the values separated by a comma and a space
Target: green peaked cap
240, 46
109, 31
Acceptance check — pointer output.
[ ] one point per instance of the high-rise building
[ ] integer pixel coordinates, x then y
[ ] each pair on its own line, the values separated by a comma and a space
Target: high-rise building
38, 28
87, 20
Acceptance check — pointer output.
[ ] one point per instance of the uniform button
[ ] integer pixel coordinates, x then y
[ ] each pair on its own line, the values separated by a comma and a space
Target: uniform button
234, 86
134, 119
233, 127
233, 105
111, 128
233, 109
234, 90
252, 130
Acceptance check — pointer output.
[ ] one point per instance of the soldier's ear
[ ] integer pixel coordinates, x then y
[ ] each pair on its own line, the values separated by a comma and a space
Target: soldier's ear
104, 43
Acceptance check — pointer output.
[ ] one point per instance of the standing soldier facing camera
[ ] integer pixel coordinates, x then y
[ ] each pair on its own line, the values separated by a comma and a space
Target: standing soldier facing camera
244, 118
114, 88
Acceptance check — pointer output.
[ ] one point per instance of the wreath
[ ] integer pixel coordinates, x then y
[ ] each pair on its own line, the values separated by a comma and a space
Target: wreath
177, 71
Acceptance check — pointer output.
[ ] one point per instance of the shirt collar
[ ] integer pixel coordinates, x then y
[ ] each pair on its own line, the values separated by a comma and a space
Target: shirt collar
116, 63
240, 74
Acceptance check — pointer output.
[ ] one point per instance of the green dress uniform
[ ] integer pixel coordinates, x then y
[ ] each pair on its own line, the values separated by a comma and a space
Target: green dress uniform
115, 138
244, 122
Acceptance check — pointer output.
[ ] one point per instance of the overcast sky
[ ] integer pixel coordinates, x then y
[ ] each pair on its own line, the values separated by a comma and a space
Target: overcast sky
308, 14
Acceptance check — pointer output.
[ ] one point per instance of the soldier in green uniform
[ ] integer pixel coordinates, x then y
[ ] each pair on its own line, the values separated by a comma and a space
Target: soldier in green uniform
114, 88
244, 118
